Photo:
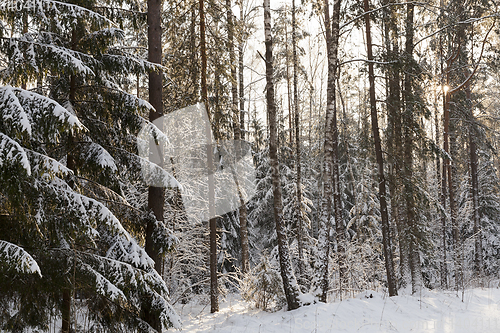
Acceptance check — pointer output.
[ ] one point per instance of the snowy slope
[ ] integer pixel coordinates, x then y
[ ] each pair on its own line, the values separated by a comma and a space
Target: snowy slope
432, 311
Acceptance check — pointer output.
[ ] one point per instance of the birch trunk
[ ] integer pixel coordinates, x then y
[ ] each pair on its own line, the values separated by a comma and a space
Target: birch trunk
289, 282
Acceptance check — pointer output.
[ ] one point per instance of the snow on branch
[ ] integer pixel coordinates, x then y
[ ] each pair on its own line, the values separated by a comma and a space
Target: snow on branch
127, 250
12, 112
45, 10
17, 258
41, 54
128, 63
131, 99
43, 163
35, 114
91, 211
95, 152
103, 286
168, 316
12, 151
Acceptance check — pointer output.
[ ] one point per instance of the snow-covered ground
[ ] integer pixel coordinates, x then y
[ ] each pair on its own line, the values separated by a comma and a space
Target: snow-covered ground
429, 311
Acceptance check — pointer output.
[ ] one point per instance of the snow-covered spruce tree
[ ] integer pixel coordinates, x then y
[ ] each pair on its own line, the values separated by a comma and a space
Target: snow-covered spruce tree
289, 184
260, 214
364, 256
66, 151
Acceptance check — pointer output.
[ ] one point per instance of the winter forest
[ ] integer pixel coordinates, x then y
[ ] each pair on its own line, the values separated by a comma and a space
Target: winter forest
194, 164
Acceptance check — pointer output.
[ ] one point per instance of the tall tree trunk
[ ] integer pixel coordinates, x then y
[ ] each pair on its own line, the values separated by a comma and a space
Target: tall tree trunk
386, 237
446, 174
289, 281
66, 311
409, 192
448, 169
156, 195
329, 152
441, 176
337, 205
214, 287
70, 164
242, 211
298, 207
394, 146
478, 247
331, 179
192, 45
451, 172
289, 94
245, 257
241, 47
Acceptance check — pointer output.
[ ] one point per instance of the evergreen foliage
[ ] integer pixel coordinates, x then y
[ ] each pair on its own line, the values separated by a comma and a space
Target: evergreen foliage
68, 147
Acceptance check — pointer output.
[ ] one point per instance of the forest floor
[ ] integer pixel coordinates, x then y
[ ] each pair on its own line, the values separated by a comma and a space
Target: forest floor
428, 311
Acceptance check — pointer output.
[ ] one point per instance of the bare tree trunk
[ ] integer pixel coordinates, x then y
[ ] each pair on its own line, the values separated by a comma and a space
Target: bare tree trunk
72, 165
214, 287
386, 237
331, 181
394, 146
300, 222
192, 45
245, 257
411, 216
289, 282
337, 205
245, 265
478, 253
448, 171
328, 162
156, 195
451, 172
441, 174
240, 74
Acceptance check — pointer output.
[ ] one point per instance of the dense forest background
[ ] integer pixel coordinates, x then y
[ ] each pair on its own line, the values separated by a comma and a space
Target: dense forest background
372, 128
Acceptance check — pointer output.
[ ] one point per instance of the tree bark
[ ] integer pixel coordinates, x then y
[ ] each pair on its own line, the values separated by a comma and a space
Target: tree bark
214, 287
240, 73
411, 233
441, 175
386, 237
331, 181
156, 195
289, 282
448, 170
72, 165
394, 138
242, 211
298, 207
478, 247
66, 311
